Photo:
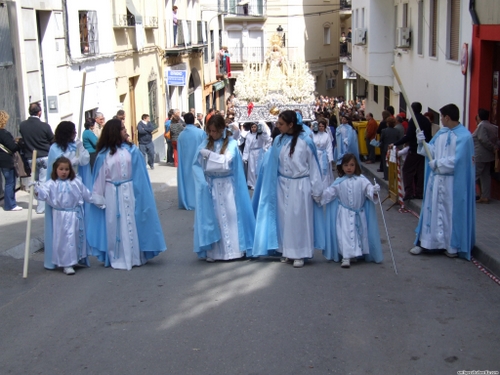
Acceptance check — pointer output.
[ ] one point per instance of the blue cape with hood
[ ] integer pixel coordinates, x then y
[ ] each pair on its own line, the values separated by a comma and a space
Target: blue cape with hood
151, 240
463, 220
187, 144
265, 202
331, 251
341, 149
206, 225
85, 174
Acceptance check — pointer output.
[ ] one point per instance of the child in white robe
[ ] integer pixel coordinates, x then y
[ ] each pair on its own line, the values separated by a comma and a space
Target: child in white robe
324, 148
256, 144
66, 193
352, 229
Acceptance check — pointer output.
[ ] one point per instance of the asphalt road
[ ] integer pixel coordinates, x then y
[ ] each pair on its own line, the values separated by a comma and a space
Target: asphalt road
180, 315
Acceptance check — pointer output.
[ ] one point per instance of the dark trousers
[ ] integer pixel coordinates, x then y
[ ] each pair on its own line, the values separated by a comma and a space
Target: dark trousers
170, 152
148, 151
371, 150
413, 175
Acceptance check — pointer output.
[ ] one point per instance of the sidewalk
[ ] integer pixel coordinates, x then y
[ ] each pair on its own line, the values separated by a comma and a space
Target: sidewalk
13, 224
487, 249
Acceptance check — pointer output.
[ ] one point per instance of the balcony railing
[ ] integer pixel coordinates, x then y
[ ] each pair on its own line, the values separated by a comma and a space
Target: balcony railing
250, 8
184, 33
345, 4
257, 54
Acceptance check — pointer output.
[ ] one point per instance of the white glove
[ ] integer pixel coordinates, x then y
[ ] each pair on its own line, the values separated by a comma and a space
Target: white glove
420, 137
433, 164
404, 151
75, 162
317, 199
205, 153
376, 189
101, 206
346, 141
33, 183
245, 161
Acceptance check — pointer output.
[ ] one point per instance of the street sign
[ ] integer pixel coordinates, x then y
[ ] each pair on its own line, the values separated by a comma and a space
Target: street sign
176, 77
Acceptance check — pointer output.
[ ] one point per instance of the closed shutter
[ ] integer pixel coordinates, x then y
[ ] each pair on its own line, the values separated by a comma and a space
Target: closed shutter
433, 29
454, 33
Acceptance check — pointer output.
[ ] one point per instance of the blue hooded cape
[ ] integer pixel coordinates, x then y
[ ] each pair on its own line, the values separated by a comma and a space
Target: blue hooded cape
463, 236
84, 173
151, 240
187, 144
331, 251
206, 225
265, 202
341, 149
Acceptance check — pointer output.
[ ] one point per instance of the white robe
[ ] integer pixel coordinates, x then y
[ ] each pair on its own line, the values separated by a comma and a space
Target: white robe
324, 148
351, 225
119, 201
218, 173
437, 207
298, 180
253, 154
69, 244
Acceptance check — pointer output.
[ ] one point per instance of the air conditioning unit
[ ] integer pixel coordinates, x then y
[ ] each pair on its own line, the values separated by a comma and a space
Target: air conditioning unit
330, 83
403, 37
360, 37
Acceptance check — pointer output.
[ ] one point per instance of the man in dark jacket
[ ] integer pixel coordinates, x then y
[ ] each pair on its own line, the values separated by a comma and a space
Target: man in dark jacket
37, 135
145, 129
414, 167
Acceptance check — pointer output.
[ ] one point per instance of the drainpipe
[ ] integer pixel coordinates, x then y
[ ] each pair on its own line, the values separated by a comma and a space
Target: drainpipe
473, 14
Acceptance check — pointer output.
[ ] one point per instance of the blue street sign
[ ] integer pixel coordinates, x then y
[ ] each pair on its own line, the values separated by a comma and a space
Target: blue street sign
176, 77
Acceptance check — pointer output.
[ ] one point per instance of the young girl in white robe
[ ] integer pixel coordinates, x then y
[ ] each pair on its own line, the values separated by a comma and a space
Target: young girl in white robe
66, 194
256, 144
323, 141
351, 224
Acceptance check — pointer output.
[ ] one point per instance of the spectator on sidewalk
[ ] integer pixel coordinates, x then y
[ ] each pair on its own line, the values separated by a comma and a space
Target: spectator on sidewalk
485, 139
187, 144
389, 136
37, 135
89, 140
7, 148
176, 127
413, 168
170, 149
99, 124
370, 134
145, 130
448, 216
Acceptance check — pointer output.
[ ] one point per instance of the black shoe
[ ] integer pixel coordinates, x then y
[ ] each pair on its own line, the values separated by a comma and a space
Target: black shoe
379, 170
408, 197
418, 197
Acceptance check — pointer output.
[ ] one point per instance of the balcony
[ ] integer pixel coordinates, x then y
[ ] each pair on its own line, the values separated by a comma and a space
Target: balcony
188, 40
241, 55
243, 8
345, 4
345, 51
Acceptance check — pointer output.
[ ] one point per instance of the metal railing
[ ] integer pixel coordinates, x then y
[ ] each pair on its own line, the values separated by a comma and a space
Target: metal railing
257, 54
251, 8
184, 33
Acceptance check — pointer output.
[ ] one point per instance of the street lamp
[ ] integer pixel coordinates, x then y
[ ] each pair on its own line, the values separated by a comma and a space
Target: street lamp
281, 34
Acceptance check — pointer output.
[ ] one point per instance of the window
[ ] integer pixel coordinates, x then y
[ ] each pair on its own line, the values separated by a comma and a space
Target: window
404, 20
363, 18
212, 46
420, 25
402, 103
326, 35
453, 29
433, 25
356, 24
153, 103
89, 45
387, 96
375, 93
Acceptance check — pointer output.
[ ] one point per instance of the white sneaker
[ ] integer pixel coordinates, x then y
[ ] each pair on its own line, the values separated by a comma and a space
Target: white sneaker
298, 263
69, 270
210, 260
416, 250
346, 263
17, 208
284, 260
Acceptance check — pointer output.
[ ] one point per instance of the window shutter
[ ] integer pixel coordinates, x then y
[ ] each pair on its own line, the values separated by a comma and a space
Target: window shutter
454, 29
433, 29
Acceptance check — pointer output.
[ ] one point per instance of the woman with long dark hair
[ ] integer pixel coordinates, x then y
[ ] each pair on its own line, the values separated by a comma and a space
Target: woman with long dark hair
224, 220
65, 144
287, 219
126, 231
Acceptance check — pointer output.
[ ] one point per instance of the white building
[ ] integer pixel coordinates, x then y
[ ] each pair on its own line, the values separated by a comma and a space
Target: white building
423, 39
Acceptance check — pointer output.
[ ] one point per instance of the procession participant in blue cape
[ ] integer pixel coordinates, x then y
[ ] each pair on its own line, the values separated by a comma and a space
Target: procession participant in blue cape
224, 221
187, 147
256, 144
323, 142
126, 230
351, 218
289, 180
448, 216
65, 194
347, 141
66, 145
